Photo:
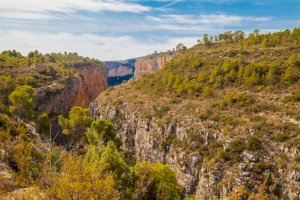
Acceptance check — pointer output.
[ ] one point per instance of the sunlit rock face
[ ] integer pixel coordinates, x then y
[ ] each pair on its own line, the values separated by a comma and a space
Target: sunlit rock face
62, 95
149, 64
122, 71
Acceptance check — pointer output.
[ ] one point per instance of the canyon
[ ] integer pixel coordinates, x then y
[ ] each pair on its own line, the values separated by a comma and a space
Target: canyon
207, 115
122, 71
219, 120
91, 79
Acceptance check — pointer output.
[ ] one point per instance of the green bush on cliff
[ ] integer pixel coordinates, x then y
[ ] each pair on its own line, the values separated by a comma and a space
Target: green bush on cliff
43, 123
77, 122
156, 181
102, 131
254, 143
22, 102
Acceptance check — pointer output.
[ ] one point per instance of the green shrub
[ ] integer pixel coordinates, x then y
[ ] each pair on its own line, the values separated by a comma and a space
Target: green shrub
102, 131
77, 122
236, 147
281, 137
261, 167
22, 102
291, 75
43, 123
292, 98
224, 155
229, 98
245, 99
254, 143
156, 181
207, 92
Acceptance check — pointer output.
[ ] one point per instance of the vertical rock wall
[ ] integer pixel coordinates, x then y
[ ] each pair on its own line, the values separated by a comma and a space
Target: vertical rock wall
61, 96
149, 64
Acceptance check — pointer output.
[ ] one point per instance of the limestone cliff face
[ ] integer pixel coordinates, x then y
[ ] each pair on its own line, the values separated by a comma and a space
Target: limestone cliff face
61, 96
148, 64
120, 71
120, 68
155, 140
149, 141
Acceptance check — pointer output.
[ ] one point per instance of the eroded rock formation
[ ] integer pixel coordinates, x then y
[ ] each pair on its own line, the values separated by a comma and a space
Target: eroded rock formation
149, 141
149, 64
120, 68
61, 96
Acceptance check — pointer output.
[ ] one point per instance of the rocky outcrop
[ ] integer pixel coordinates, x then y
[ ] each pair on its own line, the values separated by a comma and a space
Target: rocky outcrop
120, 68
149, 64
149, 140
119, 71
61, 96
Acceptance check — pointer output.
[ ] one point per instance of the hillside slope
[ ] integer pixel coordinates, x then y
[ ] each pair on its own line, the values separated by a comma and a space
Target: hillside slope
224, 115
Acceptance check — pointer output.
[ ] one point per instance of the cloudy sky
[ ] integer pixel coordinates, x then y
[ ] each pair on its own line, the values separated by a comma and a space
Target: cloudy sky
121, 29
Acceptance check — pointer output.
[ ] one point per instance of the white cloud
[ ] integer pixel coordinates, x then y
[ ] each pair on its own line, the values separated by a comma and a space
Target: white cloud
27, 9
26, 15
212, 19
96, 46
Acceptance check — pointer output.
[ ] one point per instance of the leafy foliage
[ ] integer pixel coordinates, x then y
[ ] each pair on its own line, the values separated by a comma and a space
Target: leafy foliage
102, 131
43, 123
79, 180
22, 102
156, 181
77, 122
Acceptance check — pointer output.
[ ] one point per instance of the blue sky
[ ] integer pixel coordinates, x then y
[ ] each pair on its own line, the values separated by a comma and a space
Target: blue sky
121, 29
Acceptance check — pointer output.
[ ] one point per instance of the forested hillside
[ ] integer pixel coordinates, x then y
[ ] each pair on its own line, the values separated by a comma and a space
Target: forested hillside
219, 121
223, 114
